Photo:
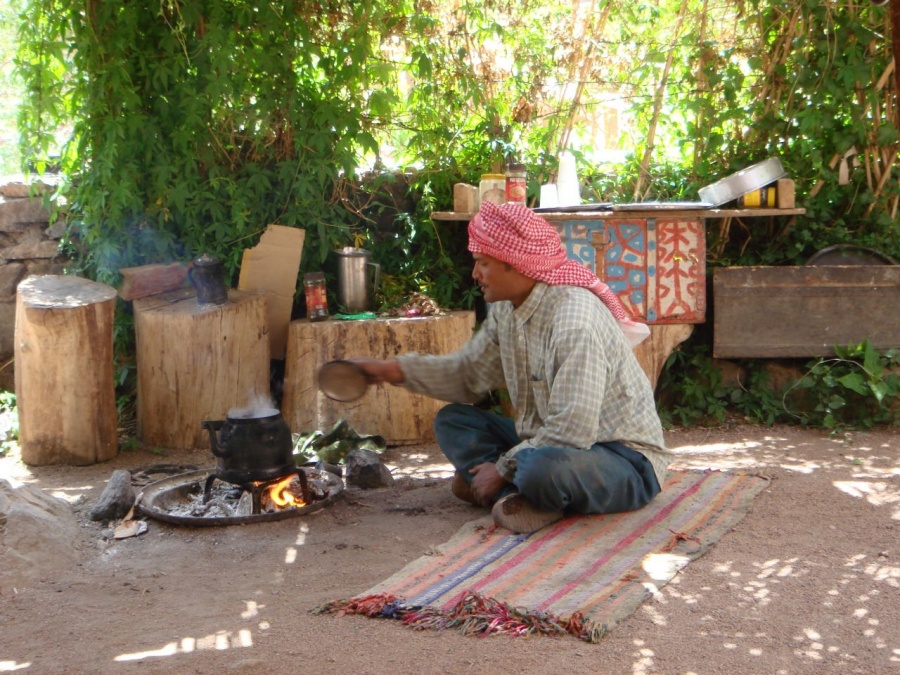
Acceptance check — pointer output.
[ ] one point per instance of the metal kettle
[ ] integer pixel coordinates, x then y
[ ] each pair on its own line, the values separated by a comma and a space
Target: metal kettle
251, 445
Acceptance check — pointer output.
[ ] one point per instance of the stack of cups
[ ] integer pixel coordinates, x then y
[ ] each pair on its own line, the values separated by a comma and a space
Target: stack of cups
568, 187
549, 196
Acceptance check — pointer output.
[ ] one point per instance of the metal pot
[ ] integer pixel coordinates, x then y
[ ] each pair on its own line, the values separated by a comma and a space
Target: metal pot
207, 274
252, 445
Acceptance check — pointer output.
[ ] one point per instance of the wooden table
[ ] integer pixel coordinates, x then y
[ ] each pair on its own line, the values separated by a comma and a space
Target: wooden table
653, 259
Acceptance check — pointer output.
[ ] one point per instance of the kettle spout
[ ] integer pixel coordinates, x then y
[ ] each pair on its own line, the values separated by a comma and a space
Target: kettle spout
213, 426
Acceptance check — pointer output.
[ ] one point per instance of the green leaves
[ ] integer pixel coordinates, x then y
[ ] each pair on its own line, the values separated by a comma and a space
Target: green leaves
857, 389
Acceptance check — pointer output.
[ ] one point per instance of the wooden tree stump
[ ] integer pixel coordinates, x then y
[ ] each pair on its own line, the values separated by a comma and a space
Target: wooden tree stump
401, 417
653, 352
65, 390
196, 362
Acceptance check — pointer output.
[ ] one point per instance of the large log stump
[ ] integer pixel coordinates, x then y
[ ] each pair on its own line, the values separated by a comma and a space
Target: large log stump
196, 362
653, 352
65, 390
401, 417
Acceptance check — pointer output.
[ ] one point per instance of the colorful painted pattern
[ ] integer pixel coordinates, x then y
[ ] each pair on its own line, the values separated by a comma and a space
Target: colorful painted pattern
657, 267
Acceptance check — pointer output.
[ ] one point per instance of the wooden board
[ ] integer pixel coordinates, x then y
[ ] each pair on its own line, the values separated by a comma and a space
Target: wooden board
401, 417
139, 282
196, 362
776, 312
65, 387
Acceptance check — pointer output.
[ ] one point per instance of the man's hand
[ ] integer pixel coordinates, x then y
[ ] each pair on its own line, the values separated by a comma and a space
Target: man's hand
486, 484
378, 370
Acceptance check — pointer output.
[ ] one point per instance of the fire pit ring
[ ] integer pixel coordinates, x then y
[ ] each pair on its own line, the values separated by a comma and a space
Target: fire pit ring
157, 499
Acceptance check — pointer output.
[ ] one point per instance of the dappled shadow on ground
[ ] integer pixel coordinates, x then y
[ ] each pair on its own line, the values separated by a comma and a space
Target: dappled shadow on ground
807, 582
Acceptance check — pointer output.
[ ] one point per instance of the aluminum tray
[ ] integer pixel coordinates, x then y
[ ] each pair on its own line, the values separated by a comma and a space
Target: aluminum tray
744, 181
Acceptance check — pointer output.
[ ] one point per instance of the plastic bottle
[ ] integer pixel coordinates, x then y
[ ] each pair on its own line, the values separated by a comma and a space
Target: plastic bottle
516, 184
316, 298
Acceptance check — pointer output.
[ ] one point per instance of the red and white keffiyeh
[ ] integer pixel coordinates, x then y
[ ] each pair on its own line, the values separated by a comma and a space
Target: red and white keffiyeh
516, 235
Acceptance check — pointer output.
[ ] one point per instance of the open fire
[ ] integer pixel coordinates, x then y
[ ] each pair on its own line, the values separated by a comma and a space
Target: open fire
255, 478
201, 498
286, 493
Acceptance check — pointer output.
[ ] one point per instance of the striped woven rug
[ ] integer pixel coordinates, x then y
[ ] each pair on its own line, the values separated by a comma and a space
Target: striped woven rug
582, 575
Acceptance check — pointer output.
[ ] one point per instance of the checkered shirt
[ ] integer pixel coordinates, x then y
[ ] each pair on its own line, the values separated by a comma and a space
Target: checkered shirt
569, 371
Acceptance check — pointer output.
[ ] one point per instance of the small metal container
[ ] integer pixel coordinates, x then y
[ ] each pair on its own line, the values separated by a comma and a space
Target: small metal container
207, 274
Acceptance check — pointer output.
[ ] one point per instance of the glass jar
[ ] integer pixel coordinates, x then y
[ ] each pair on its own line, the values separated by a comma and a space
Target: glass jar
492, 188
516, 184
316, 299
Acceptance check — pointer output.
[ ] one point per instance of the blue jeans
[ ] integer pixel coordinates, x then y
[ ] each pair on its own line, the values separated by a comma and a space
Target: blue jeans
605, 478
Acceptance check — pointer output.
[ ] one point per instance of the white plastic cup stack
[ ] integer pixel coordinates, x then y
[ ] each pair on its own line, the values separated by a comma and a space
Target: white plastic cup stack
549, 196
567, 185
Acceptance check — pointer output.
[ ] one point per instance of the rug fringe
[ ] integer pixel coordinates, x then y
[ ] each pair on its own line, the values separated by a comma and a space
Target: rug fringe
473, 614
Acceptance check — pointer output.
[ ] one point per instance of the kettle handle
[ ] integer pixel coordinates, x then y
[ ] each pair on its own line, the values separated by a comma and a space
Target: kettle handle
212, 426
377, 280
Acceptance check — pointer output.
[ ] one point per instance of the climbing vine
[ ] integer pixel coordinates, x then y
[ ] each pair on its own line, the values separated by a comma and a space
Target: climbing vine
191, 126
194, 125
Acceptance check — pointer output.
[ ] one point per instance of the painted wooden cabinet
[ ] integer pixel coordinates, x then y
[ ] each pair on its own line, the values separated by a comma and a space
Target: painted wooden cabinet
656, 265
653, 259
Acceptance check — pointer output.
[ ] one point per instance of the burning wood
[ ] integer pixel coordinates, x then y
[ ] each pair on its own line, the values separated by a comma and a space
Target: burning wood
226, 500
286, 493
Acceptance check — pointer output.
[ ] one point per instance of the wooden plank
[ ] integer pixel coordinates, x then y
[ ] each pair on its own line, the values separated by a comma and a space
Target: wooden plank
778, 312
704, 214
146, 280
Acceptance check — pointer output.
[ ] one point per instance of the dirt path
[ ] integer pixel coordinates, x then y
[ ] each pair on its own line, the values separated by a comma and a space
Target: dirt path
806, 583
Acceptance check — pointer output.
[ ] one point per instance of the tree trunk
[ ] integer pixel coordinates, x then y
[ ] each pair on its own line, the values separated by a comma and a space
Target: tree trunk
196, 362
401, 417
65, 390
653, 352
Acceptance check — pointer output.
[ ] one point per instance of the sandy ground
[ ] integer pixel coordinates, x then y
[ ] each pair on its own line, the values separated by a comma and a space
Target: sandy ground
806, 583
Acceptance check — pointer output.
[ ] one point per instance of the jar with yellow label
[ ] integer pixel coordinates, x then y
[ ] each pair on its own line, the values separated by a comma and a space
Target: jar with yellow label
761, 198
492, 188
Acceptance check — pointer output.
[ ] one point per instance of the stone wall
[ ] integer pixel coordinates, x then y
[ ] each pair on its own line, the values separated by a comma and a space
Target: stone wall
29, 244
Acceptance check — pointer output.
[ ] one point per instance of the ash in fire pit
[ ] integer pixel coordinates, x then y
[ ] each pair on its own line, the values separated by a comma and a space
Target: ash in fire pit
200, 498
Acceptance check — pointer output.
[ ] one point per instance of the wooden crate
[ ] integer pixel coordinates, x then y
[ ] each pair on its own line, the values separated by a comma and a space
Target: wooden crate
776, 312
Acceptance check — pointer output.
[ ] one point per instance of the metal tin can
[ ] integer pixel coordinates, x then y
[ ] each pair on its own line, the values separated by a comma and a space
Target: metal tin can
516, 184
761, 198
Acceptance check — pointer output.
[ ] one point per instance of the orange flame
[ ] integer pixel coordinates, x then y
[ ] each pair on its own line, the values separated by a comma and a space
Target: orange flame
282, 496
